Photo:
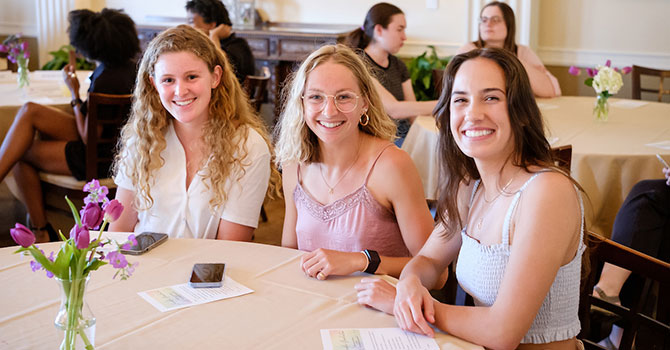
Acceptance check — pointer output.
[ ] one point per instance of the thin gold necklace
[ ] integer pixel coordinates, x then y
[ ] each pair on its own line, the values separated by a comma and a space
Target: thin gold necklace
331, 189
490, 203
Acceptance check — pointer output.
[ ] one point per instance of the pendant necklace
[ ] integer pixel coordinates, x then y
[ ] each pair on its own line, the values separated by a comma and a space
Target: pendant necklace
491, 202
331, 189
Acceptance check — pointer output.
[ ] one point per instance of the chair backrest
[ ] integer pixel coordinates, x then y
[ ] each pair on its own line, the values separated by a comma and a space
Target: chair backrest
106, 115
563, 157
636, 74
437, 76
656, 330
255, 87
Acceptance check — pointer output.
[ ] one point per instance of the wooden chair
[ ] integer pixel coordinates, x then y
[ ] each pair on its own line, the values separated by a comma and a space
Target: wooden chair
255, 87
106, 115
437, 76
637, 89
655, 331
563, 157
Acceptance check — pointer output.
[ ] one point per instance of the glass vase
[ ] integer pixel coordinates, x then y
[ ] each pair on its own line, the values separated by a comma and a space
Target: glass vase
22, 72
602, 108
74, 317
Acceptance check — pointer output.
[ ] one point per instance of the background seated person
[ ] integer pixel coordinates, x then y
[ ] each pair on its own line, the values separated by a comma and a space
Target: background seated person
497, 28
61, 146
194, 159
379, 38
347, 187
211, 17
512, 219
642, 223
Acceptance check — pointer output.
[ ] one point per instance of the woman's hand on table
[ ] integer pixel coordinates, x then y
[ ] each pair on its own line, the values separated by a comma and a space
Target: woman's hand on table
376, 293
413, 307
322, 263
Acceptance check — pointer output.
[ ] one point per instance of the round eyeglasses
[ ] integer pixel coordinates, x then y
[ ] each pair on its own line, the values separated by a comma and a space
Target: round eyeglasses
492, 19
345, 101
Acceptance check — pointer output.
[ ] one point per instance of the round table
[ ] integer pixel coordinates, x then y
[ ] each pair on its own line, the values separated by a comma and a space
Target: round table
608, 157
287, 309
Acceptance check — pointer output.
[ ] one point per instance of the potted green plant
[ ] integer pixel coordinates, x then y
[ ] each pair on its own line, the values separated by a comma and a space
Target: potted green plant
61, 58
421, 72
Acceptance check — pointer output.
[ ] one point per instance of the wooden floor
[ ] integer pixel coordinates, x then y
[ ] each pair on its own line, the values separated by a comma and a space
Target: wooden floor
12, 211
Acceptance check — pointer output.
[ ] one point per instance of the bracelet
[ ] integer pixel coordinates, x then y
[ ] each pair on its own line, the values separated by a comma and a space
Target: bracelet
76, 101
367, 261
373, 261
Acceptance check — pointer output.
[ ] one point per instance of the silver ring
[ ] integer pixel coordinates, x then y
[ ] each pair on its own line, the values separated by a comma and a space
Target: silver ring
320, 276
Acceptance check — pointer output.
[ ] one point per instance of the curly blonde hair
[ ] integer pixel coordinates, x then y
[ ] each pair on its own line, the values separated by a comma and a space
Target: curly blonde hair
143, 137
295, 140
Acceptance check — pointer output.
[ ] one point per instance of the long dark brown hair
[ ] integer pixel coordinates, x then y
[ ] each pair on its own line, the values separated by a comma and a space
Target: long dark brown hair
381, 14
510, 23
530, 144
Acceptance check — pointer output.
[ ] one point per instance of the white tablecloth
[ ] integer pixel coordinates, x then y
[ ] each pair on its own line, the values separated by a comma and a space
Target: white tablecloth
286, 310
608, 158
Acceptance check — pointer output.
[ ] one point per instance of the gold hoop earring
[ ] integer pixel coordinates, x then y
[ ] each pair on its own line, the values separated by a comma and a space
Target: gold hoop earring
366, 118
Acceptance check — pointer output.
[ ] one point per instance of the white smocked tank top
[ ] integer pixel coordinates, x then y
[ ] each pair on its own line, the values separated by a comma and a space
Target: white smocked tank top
480, 270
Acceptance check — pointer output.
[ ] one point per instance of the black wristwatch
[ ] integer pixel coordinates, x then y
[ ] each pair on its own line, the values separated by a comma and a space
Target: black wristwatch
76, 101
373, 260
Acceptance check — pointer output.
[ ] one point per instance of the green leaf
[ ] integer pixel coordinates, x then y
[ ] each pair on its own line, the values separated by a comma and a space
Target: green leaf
62, 263
94, 265
40, 258
426, 81
75, 212
588, 82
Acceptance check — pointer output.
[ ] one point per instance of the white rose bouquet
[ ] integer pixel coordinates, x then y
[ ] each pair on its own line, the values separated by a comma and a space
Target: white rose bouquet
606, 81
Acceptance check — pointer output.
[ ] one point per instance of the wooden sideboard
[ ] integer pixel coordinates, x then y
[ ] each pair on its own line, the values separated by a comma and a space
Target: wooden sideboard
278, 46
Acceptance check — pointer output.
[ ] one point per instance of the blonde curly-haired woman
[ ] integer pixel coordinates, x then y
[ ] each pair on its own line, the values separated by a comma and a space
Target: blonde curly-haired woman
194, 160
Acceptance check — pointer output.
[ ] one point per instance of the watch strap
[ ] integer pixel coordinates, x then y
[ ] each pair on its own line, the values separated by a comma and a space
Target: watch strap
373, 260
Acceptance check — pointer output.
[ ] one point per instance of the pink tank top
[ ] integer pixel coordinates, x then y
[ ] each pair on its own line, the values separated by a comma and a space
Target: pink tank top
352, 223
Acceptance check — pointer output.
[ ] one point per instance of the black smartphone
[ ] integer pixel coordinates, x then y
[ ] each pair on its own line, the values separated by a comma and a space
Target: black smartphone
207, 275
145, 242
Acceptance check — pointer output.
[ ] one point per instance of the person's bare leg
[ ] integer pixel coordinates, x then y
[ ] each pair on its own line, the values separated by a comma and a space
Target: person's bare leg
47, 156
50, 122
612, 279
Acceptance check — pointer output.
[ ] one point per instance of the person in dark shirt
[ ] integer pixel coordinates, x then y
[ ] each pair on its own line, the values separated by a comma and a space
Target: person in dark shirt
211, 17
108, 37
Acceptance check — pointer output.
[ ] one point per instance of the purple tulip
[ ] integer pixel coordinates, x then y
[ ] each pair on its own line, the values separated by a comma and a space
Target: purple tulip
26, 55
22, 235
24, 46
616, 69
591, 72
574, 70
91, 216
117, 259
81, 236
113, 210
11, 58
608, 63
3, 48
626, 70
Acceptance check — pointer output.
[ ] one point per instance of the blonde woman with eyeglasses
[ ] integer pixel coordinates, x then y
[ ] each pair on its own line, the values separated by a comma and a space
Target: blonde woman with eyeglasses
354, 201
497, 28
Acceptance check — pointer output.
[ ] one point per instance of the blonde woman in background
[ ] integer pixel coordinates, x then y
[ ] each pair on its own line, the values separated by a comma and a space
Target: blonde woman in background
497, 28
194, 159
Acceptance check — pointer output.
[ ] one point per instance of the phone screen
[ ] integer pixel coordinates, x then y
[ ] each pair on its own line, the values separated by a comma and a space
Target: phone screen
145, 242
207, 275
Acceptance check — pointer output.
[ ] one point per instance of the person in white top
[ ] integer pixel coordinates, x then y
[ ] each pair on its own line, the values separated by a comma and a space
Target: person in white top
194, 159
497, 28
512, 218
